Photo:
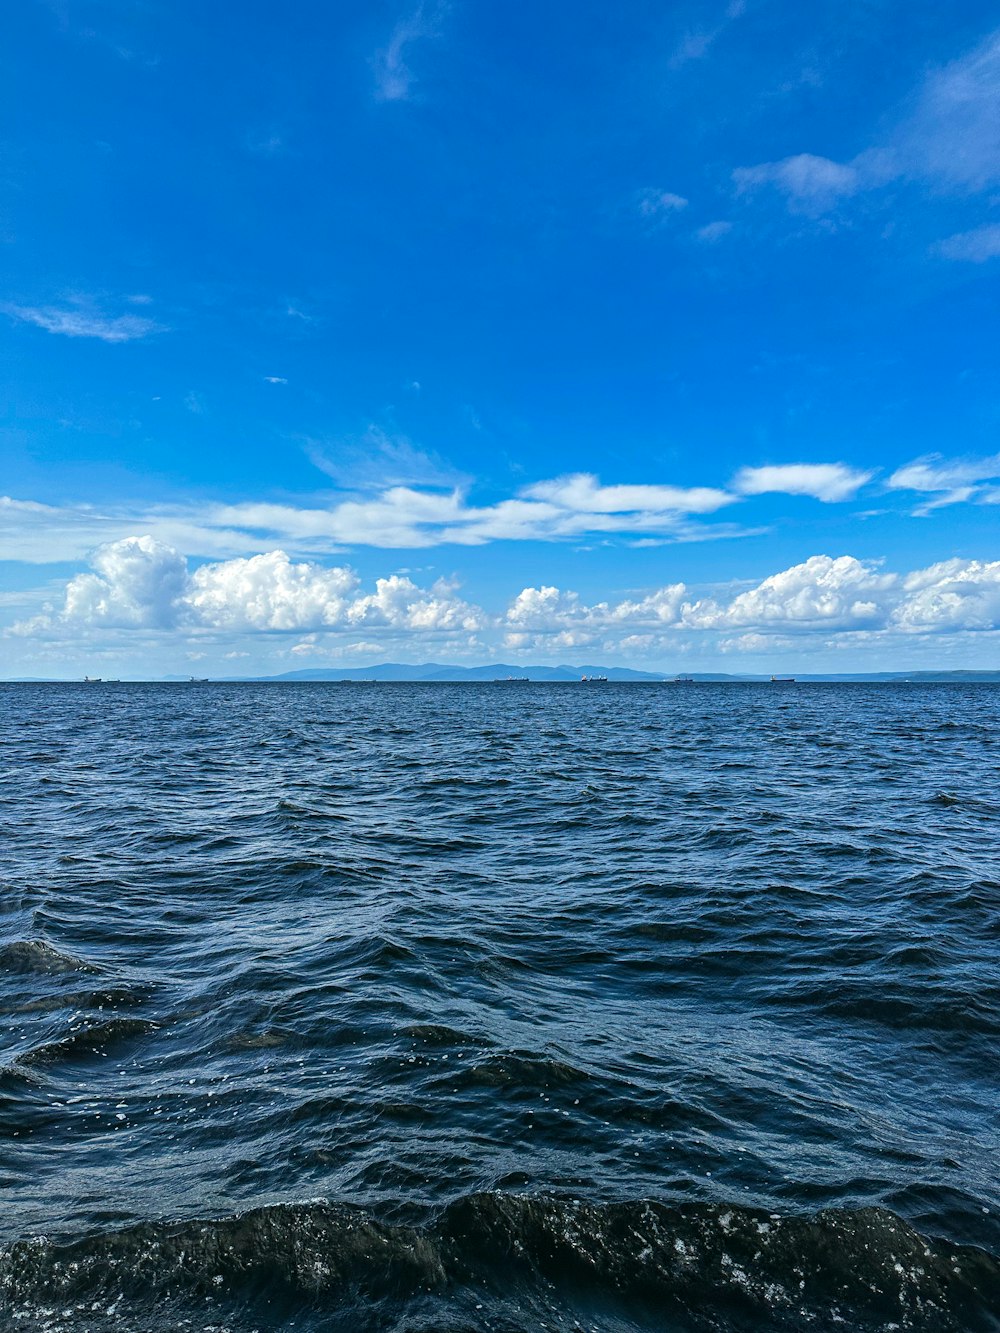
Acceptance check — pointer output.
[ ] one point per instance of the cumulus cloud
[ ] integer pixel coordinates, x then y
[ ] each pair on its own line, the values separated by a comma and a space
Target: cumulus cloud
823, 590
547, 617
825, 595
141, 583
398, 602
824, 481
269, 592
954, 594
136, 582
79, 323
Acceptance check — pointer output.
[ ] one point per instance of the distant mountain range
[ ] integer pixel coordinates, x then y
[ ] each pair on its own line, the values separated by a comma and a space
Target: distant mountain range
503, 672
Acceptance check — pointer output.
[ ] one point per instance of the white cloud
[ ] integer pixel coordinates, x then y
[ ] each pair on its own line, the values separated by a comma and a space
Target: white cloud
139, 586
756, 642
377, 460
697, 42
582, 493
821, 596
401, 516
810, 184
657, 205
268, 592
713, 231
400, 603
952, 595
275, 379
543, 607
949, 481
824, 481
950, 136
393, 77
821, 591
975, 247
79, 323
139, 582
953, 135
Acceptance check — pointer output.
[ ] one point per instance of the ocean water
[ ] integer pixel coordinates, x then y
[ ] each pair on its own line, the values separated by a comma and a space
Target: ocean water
512, 1007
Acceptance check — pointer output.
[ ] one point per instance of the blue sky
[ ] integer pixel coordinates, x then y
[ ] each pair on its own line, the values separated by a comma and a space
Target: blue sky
649, 334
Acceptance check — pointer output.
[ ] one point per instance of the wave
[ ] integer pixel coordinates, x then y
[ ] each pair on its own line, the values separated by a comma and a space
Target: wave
89, 1039
35, 956
643, 1264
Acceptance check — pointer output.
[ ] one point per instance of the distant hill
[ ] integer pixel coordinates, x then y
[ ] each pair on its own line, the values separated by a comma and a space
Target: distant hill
438, 671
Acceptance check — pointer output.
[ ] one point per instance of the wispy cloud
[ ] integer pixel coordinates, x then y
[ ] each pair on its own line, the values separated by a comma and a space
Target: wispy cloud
948, 480
266, 143
393, 517
713, 231
275, 379
655, 206
953, 134
950, 136
829, 482
377, 460
394, 496
810, 184
975, 247
582, 493
697, 42
394, 79
81, 323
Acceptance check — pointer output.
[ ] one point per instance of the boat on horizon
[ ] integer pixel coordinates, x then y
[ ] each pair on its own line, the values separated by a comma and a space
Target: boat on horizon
782, 680
593, 680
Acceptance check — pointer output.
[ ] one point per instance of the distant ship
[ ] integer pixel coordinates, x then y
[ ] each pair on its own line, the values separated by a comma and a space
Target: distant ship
510, 680
782, 680
593, 680
92, 680
683, 680
198, 680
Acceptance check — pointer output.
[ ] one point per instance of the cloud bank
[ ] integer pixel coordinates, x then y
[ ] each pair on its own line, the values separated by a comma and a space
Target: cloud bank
139, 583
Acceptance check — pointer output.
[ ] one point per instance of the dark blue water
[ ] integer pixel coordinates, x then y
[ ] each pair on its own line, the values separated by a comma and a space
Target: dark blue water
506, 1007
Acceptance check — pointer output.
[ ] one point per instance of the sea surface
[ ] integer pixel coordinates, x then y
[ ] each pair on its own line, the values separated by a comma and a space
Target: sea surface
513, 1007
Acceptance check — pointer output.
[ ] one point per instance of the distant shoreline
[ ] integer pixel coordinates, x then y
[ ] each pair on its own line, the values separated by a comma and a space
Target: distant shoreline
553, 676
